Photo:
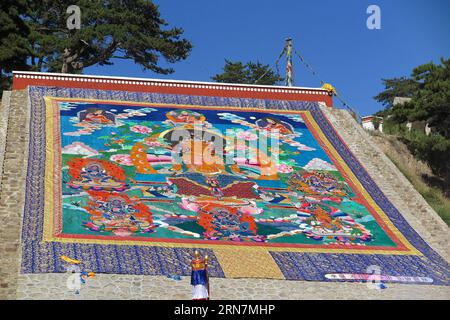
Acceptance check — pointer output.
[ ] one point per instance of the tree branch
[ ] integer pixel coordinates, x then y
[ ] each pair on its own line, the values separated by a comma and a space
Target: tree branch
106, 54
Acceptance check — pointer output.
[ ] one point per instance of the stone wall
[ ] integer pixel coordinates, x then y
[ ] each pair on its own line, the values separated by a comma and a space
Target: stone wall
109, 286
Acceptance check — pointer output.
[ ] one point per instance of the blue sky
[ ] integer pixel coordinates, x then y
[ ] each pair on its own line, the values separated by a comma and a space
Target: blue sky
331, 35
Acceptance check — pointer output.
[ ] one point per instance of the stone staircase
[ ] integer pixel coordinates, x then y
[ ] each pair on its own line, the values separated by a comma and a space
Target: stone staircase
392, 182
13, 151
4, 115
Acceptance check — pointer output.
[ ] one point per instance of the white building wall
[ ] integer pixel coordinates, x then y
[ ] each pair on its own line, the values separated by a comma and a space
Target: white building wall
368, 125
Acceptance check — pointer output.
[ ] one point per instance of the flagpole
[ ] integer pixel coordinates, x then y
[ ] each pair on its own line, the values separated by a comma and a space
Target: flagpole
289, 66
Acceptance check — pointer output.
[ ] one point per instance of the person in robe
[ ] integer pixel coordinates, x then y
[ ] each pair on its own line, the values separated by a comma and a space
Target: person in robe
199, 277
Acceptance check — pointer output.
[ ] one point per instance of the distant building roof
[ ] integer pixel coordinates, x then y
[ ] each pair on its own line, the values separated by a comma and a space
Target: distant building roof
370, 118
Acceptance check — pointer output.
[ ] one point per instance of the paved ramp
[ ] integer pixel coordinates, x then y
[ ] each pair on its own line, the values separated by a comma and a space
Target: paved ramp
409, 239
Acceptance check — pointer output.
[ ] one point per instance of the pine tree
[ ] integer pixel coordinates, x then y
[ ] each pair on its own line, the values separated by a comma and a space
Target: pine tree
396, 87
34, 35
249, 73
429, 90
13, 40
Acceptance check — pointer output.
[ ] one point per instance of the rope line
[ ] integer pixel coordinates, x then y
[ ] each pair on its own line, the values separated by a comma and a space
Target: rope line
314, 73
274, 65
308, 66
338, 96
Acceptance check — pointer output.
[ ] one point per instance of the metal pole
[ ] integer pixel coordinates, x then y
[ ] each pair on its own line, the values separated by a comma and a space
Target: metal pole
207, 276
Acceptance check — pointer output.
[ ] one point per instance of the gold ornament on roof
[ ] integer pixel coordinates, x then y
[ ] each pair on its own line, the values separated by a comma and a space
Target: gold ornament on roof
329, 88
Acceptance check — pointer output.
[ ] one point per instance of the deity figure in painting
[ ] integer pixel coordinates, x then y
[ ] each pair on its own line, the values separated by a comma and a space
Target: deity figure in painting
317, 183
272, 124
96, 115
96, 174
227, 222
184, 116
118, 214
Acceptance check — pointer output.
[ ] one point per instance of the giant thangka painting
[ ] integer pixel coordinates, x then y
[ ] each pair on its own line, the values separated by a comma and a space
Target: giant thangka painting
132, 182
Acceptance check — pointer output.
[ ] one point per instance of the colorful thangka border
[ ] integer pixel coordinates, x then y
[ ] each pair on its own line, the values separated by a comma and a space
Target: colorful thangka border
43, 244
